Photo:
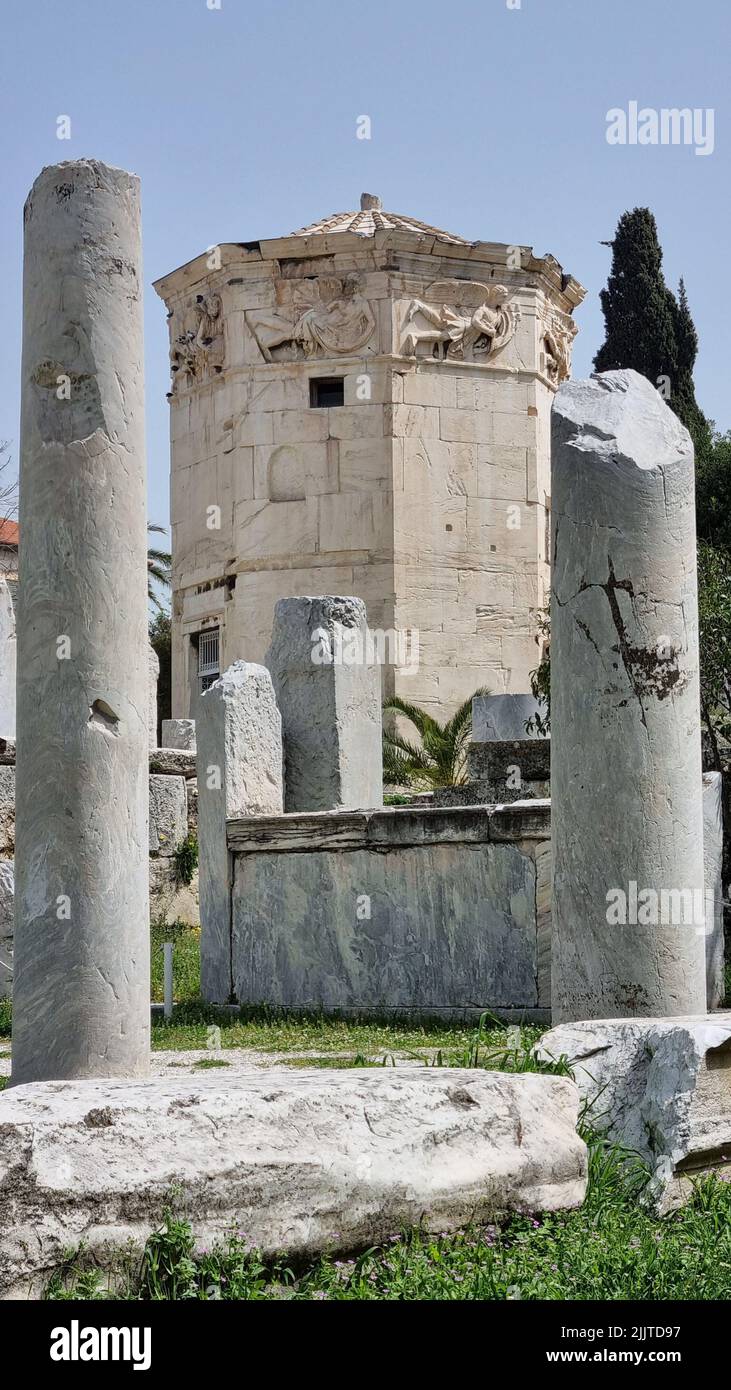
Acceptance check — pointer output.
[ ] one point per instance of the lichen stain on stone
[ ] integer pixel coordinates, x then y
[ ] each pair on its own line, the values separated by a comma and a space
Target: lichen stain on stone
649, 673
48, 373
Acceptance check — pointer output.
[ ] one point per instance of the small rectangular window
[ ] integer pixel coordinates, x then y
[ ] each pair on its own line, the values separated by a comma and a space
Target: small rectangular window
209, 668
327, 391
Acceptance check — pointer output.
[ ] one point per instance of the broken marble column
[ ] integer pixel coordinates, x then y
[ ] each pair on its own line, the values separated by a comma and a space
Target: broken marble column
179, 733
628, 901
239, 737
7, 662
153, 675
328, 688
81, 994
713, 870
658, 1087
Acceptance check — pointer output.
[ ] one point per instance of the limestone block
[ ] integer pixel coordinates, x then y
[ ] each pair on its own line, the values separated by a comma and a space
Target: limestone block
360, 421
356, 521
329, 694
7, 810
170, 900
502, 472
518, 431
366, 465
7, 662
380, 384
492, 528
174, 762
501, 717
300, 426
468, 426
303, 1161
434, 467
435, 388
419, 421
239, 736
275, 529
255, 427
658, 1086
168, 814
179, 733
153, 674
242, 474
713, 880
7, 927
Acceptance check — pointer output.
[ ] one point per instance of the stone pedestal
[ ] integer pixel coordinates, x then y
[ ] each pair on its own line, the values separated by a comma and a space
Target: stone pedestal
328, 689
239, 733
628, 901
81, 1000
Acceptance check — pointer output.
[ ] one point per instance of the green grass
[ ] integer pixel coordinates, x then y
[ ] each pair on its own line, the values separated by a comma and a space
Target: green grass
611, 1249
266, 1030
186, 961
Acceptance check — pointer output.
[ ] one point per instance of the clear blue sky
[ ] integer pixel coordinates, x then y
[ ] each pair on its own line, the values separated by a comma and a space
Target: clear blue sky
487, 121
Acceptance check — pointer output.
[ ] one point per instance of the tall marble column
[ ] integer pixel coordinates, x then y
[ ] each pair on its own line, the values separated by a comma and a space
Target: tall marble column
627, 820
81, 988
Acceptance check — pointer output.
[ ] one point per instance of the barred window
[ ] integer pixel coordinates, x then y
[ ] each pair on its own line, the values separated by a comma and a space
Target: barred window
209, 668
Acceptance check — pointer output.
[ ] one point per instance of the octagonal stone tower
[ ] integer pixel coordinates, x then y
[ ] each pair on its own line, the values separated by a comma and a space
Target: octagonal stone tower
362, 407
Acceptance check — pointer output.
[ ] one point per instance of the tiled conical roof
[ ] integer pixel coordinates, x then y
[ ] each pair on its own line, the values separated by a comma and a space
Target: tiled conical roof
371, 218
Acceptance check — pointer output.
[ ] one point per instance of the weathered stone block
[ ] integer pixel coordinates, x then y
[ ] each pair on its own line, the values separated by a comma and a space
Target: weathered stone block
658, 1086
329, 693
7, 810
408, 923
7, 927
511, 770
173, 762
500, 718
304, 1162
170, 900
179, 733
168, 814
239, 732
713, 877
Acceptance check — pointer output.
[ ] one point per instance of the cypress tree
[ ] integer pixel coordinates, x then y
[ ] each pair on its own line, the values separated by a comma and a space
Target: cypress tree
646, 327
640, 329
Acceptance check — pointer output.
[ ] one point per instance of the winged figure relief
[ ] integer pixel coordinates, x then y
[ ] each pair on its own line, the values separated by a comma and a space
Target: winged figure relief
460, 319
327, 317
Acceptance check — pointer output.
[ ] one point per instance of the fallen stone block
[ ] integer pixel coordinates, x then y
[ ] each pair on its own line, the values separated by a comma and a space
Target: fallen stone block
658, 1086
302, 1161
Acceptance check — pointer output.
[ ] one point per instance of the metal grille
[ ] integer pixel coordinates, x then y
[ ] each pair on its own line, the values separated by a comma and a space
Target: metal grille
208, 658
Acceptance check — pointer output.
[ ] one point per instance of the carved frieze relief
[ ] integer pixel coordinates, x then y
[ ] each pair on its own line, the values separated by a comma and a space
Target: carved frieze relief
197, 341
324, 317
459, 320
559, 331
